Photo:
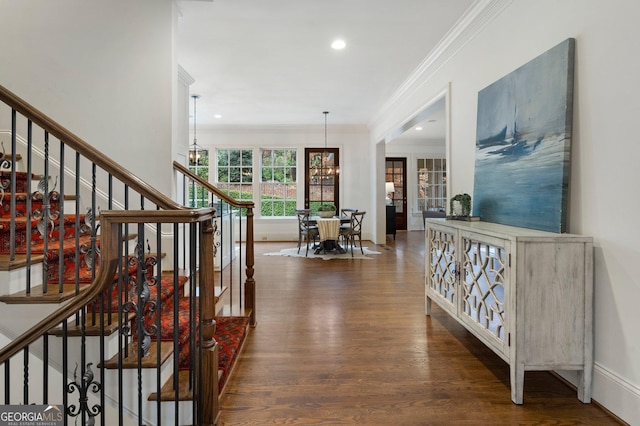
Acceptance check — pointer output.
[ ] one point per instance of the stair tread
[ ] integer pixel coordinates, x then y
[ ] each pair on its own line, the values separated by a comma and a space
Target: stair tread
167, 392
7, 156
20, 261
131, 359
74, 330
37, 294
229, 311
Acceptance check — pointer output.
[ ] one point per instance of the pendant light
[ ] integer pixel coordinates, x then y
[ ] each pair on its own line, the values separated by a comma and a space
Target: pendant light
194, 150
325, 155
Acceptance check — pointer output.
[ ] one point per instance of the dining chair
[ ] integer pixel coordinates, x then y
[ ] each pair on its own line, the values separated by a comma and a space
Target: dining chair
306, 231
346, 213
355, 230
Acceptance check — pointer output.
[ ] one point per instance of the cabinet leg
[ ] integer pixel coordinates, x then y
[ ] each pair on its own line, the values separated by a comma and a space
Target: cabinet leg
584, 385
427, 305
516, 371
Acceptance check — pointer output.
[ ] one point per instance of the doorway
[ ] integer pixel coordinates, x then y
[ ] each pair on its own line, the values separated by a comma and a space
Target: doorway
396, 172
322, 177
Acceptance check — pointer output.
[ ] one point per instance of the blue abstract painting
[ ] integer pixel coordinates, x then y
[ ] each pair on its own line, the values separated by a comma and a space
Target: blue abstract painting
523, 144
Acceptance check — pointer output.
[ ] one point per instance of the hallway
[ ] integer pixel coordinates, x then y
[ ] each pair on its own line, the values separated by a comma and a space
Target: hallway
347, 342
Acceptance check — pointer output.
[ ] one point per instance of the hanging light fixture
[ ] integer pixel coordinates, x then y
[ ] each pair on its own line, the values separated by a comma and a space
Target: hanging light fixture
326, 167
325, 154
194, 149
328, 163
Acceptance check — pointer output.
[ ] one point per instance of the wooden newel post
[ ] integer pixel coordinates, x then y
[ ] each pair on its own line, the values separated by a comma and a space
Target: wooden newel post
208, 396
250, 283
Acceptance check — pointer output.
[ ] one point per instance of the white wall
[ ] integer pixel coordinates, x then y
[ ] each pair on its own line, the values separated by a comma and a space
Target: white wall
605, 150
355, 167
104, 70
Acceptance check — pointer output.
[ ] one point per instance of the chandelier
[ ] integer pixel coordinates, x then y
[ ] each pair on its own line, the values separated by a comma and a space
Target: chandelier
195, 151
326, 167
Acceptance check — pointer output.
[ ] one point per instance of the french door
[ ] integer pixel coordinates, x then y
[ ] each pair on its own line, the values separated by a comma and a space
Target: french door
322, 177
396, 172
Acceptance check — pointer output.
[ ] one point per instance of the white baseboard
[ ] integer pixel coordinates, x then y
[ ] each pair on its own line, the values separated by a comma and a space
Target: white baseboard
613, 393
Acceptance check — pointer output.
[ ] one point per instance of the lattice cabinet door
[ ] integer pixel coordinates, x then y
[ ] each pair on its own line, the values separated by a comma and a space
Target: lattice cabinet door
442, 271
484, 288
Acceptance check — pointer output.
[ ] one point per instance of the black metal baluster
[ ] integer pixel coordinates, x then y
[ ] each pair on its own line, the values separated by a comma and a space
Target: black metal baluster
45, 369
25, 380
61, 225
158, 320
123, 327
83, 385
124, 290
78, 230
43, 187
176, 364
7, 382
185, 186
28, 212
144, 340
109, 305
12, 186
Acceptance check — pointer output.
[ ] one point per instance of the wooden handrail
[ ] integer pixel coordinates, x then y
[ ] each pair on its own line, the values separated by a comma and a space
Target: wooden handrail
250, 283
211, 188
109, 242
88, 151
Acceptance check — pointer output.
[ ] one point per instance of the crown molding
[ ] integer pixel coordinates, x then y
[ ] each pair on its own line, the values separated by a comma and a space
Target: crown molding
468, 27
184, 77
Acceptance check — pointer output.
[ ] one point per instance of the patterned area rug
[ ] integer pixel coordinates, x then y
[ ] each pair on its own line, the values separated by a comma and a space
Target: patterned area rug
293, 252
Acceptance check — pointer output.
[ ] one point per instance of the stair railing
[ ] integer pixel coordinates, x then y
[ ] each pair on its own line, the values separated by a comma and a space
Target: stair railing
229, 211
103, 285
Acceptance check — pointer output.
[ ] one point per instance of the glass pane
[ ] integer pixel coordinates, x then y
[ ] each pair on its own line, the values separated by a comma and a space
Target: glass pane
327, 194
247, 174
314, 193
223, 158
267, 159
290, 173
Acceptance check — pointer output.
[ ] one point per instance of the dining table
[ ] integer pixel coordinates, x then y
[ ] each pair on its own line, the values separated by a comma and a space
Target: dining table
329, 231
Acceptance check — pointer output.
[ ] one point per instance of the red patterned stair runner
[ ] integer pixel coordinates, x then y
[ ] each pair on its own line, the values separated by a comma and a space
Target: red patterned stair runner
230, 331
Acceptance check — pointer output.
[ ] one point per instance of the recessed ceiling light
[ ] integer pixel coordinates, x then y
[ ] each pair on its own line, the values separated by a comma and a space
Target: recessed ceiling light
338, 44
418, 128
217, 116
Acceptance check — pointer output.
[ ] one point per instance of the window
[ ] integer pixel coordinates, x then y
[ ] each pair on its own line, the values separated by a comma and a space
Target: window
199, 166
235, 173
278, 186
432, 184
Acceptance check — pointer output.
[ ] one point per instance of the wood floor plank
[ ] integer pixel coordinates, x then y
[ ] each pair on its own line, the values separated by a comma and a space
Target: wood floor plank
348, 342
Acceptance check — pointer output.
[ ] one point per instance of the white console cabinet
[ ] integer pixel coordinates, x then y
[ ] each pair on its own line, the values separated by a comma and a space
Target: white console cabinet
526, 294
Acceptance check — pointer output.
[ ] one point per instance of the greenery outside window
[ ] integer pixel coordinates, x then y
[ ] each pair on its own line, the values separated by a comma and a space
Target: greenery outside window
432, 184
278, 185
235, 173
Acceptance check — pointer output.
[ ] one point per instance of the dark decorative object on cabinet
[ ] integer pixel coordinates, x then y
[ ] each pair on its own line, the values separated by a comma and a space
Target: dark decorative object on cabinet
391, 221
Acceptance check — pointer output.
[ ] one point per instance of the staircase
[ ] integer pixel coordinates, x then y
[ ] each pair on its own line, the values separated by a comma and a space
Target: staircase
110, 304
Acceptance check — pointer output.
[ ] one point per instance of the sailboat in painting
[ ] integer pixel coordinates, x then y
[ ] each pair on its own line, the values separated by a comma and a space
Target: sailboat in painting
513, 147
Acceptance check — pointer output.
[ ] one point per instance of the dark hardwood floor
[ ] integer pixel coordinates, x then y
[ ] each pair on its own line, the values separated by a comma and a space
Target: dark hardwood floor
348, 342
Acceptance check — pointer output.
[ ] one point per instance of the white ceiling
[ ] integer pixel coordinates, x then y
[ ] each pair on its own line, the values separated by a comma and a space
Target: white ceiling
269, 62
